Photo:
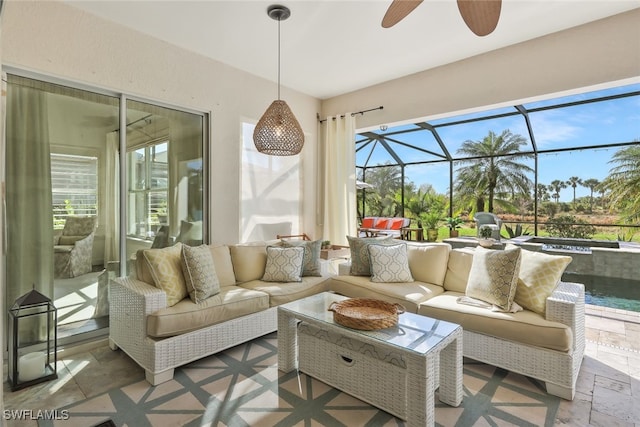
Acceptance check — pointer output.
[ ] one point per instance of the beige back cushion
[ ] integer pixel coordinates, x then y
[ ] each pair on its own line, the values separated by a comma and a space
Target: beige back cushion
142, 268
249, 261
428, 262
458, 268
222, 261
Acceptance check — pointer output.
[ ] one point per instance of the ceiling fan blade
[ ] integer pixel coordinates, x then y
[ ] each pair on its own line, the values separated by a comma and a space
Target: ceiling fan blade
481, 16
398, 10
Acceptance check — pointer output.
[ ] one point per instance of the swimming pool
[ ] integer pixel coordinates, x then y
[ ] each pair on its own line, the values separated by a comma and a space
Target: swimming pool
590, 257
608, 292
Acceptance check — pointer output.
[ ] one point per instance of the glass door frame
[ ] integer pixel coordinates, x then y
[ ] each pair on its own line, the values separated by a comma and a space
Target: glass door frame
123, 98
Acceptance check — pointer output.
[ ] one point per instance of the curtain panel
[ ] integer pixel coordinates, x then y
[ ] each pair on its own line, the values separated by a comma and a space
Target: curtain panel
29, 213
338, 179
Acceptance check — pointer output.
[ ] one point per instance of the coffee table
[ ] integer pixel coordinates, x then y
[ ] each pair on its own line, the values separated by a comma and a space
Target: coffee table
396, 369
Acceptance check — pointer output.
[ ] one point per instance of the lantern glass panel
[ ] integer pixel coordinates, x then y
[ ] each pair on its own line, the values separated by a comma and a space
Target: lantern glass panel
33, 342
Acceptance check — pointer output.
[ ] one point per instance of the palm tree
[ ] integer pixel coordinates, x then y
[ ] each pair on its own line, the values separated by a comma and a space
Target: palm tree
574, 181
425, 200
591, 184
624, 182
556, 186
387, 181
602, 189
492, 168
542, 193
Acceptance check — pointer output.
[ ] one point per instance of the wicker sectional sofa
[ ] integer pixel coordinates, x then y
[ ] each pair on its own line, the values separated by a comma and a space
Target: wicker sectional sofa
160, 337
548, 347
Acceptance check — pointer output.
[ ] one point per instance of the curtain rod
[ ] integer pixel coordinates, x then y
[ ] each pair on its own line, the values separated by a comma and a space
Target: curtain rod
352, 114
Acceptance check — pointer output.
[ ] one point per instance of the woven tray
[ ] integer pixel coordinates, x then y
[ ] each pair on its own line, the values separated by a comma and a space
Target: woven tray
366, 314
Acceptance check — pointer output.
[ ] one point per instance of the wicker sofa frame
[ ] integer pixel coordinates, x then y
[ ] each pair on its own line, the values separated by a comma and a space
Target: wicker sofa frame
558, 370
131, 301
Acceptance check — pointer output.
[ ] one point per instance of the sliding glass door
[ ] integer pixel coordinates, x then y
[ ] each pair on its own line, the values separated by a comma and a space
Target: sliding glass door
165, 177
65, 160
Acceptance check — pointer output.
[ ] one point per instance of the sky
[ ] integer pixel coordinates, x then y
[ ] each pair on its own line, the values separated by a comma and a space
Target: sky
598, 123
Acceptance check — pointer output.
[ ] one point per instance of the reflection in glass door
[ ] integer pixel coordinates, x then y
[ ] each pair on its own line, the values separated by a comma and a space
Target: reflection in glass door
60, 180
63, 194
164, 178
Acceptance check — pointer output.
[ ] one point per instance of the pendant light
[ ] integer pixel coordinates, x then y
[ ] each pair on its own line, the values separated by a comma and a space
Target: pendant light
278, 132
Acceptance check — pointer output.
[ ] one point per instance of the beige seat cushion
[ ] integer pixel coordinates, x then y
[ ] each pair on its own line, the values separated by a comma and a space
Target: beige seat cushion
232, 302
408, 294
525, 326
282, 293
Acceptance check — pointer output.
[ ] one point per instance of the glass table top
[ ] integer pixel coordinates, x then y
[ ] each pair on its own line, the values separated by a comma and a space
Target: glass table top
413, 332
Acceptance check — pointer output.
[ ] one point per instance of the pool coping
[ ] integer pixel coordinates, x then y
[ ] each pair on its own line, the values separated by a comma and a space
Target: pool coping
612, 313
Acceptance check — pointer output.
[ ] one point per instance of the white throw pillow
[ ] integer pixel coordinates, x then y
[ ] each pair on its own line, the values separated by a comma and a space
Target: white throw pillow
389, 264
284, 264
493, 277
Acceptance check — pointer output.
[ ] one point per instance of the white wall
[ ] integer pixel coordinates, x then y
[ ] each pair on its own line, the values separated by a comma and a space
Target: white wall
54, 39
590, 55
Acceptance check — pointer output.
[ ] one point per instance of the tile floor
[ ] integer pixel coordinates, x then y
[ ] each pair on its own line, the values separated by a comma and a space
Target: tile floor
608, 389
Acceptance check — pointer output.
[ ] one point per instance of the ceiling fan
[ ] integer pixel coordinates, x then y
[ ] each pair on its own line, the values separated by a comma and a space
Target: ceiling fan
481, 16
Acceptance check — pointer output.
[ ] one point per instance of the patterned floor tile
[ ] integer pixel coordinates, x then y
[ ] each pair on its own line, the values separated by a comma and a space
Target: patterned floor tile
243, 387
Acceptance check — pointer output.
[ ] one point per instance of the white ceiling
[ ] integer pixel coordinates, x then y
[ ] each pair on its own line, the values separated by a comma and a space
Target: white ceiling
331, 47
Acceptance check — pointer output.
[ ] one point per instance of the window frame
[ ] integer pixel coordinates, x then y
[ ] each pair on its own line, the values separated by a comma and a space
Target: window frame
77, 152
133, 194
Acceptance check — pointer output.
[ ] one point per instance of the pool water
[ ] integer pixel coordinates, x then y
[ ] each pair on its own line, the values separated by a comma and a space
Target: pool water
610, 292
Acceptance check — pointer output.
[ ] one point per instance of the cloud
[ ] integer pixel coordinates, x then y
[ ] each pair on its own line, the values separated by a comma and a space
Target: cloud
551, 127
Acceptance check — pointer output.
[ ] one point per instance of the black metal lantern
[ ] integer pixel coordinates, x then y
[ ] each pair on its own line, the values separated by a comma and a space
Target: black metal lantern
33, 341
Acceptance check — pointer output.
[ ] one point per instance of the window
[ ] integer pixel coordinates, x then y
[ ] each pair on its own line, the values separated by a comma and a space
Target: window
149, 188
270, 192
74, 184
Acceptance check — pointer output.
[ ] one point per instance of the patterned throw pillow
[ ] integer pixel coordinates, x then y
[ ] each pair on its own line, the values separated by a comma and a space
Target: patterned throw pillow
360, 264
199, 273
389, 264
493, 277
539, 276
284, 264
311, 265
165, 266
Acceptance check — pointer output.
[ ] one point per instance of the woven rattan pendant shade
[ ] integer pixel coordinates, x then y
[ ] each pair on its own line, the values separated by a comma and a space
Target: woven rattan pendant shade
278, 132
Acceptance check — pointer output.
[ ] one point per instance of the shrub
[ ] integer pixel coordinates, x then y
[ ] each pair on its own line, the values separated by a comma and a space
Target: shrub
517, 232
570, 226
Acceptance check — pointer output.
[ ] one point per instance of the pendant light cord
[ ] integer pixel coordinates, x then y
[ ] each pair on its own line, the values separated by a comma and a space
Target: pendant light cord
278, 58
